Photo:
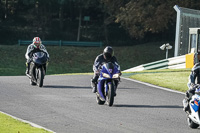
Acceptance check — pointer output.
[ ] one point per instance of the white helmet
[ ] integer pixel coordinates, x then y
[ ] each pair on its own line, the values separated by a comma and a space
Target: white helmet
37, 41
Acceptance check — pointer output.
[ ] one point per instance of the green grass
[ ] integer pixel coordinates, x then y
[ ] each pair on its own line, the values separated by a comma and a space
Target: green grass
175, 79
10, 125
78, 59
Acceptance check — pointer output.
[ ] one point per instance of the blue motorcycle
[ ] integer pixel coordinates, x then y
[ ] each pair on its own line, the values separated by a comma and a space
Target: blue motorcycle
107, 84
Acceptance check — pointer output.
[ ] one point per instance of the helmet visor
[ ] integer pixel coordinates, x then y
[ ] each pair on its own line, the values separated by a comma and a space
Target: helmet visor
107, 56
37, 45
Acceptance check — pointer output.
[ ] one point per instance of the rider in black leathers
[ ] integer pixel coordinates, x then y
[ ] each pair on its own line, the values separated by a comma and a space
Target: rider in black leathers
105, 57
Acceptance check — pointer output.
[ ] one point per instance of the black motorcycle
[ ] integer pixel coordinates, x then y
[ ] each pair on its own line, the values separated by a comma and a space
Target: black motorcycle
38, 68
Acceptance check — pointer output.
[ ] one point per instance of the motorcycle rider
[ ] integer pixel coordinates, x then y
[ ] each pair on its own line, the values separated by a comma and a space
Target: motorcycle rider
194, 76
105, 57
36, 46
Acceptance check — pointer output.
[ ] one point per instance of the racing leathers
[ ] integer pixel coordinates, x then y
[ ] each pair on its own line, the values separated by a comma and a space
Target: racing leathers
30, 51
99, 61
194, 81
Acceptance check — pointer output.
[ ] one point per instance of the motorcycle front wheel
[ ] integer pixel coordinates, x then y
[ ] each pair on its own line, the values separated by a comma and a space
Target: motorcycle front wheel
110, 96
40, 77
191, 124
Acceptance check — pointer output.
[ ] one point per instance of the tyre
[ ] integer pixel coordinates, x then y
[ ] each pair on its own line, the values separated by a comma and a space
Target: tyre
110, 96
99, 101
191, 124
32, 83
40, 77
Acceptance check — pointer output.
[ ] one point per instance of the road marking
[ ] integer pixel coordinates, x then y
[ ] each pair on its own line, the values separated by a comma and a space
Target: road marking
162, 88
25, 121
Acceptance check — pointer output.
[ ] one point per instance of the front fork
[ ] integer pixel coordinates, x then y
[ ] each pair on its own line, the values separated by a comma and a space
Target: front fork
106, 86
103, 87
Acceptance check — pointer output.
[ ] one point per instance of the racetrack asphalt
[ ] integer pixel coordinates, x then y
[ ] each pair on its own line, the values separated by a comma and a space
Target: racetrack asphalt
66, 105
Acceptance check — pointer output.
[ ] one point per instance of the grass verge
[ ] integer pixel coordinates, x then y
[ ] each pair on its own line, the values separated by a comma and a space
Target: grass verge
11, 125
175, 79
67, 59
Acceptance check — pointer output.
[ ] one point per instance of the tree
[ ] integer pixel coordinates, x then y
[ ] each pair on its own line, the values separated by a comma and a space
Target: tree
83, 6
139, 17
110, 9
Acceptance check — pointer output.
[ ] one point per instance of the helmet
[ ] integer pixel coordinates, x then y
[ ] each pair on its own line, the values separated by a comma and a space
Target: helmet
108, 53
37, 41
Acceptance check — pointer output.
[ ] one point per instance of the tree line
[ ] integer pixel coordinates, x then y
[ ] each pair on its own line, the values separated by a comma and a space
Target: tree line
111, 21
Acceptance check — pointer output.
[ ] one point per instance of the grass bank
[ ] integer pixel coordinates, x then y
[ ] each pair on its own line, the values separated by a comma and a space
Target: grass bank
10, 125
175, 79
78, 59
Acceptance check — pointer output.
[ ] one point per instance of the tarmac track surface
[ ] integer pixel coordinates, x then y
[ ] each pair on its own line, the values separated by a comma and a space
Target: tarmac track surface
66, 105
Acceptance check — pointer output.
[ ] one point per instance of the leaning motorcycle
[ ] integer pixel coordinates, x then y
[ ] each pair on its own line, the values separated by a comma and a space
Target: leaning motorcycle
193, 113
107, 84
38, 68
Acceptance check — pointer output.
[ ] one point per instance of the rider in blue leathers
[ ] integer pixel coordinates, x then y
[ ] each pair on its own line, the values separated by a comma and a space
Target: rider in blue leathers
194, 81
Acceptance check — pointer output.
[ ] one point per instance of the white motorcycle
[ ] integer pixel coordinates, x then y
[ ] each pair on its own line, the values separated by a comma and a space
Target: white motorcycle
193, 113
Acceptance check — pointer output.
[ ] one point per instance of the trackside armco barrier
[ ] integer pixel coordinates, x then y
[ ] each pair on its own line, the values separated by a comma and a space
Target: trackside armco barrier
64, 43
171, 63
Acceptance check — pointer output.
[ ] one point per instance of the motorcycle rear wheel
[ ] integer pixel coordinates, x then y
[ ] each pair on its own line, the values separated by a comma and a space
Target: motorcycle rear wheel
191, 124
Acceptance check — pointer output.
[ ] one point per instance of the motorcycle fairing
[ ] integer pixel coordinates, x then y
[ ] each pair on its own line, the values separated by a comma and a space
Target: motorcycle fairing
39, 58
103, 82
195, 105
100, 90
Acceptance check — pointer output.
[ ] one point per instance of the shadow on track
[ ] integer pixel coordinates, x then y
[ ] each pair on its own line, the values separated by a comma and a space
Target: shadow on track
65, 87
147, 106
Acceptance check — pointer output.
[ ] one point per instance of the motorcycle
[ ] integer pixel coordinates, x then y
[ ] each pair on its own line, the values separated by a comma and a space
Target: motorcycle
193, 113
38, 68
107, 84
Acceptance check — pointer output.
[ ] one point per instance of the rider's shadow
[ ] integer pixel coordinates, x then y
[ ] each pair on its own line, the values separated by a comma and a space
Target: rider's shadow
65, 87
147, 106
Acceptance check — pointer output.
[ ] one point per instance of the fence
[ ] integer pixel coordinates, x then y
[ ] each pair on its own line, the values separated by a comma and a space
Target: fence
63, 43
171, 63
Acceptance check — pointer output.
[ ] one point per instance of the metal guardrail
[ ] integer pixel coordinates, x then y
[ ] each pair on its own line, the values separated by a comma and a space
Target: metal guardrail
162, 64
170, 63
64, 43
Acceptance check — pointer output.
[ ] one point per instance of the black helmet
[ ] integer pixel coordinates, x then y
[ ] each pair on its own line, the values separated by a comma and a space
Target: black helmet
108, 53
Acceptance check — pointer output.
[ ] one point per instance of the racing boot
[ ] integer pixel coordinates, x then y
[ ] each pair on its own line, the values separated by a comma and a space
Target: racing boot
27, 69
185, 105
94, 83
94, 86
187, 98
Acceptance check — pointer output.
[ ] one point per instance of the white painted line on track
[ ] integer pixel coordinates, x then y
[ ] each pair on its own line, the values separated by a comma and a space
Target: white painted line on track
162, 88
32, 124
